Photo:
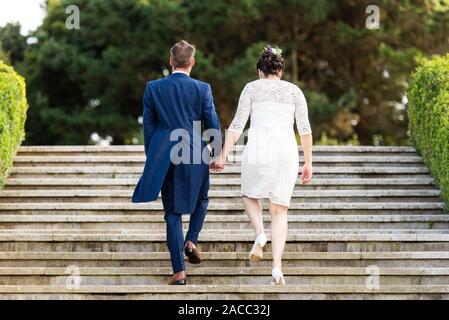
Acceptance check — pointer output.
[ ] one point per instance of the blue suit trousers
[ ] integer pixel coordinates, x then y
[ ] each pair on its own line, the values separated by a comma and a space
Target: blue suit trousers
175, 233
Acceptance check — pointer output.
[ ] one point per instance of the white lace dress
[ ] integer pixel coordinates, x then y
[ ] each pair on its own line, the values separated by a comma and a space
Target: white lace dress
270, 160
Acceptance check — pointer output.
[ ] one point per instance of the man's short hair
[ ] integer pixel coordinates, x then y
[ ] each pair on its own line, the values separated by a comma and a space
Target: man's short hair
182, 54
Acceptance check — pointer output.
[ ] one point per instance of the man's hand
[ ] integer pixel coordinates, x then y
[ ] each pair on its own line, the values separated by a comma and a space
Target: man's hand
306, 175
218, 164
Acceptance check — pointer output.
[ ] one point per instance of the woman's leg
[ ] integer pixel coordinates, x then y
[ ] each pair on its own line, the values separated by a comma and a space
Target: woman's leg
279, 229
254, 212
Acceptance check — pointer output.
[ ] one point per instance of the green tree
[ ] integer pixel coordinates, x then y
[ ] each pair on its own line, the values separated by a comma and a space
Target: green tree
12, 43
92, 79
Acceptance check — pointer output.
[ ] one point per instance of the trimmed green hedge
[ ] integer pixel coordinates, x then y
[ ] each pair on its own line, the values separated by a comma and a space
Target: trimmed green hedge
428, 96
13, 106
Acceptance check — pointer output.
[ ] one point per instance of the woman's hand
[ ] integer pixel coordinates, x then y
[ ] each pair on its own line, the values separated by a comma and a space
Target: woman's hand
306, 175
218, 164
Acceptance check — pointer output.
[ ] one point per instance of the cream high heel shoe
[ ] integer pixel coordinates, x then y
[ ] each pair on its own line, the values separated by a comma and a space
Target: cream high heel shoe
256, 253
278, 277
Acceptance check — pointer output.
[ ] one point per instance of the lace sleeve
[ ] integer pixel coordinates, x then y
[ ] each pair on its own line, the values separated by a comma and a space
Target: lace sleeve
301, 114
243, 111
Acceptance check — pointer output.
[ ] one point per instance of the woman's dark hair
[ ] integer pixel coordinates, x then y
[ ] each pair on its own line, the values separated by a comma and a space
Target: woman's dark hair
271, 61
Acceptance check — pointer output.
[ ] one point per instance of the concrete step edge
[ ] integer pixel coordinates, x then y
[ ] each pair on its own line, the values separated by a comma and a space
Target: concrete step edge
221, 271
208, 289
223, 238
221, 206
223, 193
216, 181
140, 148
232, 158
229, 169
223, 218
126, 256
228, 233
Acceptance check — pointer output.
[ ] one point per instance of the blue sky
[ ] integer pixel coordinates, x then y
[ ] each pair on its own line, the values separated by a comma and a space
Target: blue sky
27, 12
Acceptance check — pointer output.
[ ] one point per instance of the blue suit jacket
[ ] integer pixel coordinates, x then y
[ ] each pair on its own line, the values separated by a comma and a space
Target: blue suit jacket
174, 102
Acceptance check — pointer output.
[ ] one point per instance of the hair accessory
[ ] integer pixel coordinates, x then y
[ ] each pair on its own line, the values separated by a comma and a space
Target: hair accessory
274, 50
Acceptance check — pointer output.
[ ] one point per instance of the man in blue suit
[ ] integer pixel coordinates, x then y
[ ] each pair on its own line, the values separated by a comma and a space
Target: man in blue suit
177, 164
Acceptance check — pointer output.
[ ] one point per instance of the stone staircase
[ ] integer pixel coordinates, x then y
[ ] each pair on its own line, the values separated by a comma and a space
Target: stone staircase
370, 226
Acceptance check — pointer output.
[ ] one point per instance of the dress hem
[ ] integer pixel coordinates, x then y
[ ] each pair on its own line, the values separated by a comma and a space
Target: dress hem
265, 197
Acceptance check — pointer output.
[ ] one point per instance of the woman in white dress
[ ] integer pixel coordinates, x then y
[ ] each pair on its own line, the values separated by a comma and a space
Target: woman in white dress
270, 161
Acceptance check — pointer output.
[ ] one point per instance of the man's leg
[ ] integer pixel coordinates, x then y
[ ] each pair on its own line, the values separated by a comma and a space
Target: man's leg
198, 215
195, 226
197, 220
175, 235
175, 240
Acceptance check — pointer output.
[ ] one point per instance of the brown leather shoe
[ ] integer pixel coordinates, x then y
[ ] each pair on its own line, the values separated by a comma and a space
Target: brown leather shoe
192, 253
179, 279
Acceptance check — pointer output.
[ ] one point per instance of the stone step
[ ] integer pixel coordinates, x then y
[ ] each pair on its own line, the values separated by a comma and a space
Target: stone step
80, 193
335, 158
221, 196
52, 185
224, 218
232, 158
140, 148
214, 272
291, 212
226, 193
143, 222
113, 151
216, 187
222, 275
217, 181
231, 167
231, 255
225, 234
234, 169
367, 206
219, 206
265, 292
294, 200
367, 235
298, 259
218, 176
223, 242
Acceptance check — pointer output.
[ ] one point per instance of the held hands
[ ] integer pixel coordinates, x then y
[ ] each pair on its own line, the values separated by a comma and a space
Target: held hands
218, 164
306, 176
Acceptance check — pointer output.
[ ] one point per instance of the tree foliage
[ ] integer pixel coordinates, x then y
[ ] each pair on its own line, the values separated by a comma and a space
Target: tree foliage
92, 79
12, 44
